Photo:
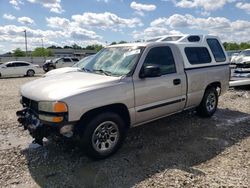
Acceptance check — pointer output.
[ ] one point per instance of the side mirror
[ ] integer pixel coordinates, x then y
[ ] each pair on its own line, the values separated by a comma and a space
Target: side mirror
150, 71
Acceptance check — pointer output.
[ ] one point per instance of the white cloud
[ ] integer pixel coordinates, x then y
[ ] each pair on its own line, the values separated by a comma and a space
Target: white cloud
25, 20
104, 21
153, 32
52, 5
139, 8
83, 34
14, 36
206, 5
105, 1
238, 30
244, 6
16, 3
57, 22
142, 7
9, 17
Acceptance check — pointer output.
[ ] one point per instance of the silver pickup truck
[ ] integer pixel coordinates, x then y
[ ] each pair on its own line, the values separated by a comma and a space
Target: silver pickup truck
125, 86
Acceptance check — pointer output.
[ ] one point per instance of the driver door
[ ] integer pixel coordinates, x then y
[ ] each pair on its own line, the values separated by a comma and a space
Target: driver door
158, 96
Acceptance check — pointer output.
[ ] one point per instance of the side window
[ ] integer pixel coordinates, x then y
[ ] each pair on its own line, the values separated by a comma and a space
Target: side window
66, 60
20, 64
216, 49
75, 59
197, 55
163, 57
10, 65
60, 61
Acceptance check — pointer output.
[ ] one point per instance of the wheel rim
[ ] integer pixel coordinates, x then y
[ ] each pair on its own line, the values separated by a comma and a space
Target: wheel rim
211, 102
30, 73
105, 136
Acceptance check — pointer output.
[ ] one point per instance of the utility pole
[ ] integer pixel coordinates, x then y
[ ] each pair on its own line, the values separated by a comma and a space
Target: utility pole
43, 50
25, 36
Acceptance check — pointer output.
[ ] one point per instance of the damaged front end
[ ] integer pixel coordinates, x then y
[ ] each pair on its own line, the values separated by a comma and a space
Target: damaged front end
45, 119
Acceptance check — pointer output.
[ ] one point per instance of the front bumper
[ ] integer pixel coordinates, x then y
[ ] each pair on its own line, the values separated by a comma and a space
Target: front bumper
39, 129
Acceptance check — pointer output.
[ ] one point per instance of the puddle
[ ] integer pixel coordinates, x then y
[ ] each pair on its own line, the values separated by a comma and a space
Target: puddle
233, 121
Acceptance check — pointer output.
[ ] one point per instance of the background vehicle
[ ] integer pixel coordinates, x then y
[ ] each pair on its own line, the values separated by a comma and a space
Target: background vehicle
76, 67
59, 63
242, 63
18, 68
232, 55
124, 86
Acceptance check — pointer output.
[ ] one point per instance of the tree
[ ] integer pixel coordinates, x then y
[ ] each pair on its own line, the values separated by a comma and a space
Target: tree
96, 47
41, 52
18, 53
67, 47
75, 46
236, 46
122, 42
54, 47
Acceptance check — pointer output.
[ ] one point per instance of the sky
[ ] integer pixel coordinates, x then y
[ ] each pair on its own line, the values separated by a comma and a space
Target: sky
85, 22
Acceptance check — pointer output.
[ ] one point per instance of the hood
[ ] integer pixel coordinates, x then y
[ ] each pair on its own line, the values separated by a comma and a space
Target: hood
61, 71
60, 86
242, 59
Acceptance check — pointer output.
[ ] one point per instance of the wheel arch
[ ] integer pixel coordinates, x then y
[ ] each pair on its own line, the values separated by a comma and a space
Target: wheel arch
216, 85
118, 108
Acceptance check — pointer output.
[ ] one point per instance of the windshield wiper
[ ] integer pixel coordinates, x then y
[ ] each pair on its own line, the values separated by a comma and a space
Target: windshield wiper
107, 73
85, 70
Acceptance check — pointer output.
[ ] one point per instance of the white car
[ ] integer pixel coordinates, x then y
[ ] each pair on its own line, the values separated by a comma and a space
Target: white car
76, 67
18, 68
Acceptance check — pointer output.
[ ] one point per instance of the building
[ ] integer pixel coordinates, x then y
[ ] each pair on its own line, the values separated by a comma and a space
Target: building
69, 52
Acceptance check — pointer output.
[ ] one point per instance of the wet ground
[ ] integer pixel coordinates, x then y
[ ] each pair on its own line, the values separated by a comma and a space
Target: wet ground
183, 150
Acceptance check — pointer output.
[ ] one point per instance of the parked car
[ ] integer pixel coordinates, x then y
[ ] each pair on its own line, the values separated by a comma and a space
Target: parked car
76, 67
59, 63
124, 86
242, 63
18, 68
232, 55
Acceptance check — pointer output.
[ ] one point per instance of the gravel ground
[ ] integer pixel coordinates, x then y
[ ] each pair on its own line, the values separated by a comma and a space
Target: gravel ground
179, 151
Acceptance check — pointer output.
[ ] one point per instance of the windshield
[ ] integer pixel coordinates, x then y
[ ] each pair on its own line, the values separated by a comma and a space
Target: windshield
54, 60
114, 61
83, 62
245, 53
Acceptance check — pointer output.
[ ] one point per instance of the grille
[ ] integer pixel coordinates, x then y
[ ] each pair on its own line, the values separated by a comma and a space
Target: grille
33, 105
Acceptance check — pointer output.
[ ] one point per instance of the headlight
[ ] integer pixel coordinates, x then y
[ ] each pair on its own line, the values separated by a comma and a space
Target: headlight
54, 107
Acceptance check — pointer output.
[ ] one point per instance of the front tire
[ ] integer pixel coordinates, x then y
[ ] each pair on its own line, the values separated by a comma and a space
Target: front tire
103, 135
209, 103
50, 68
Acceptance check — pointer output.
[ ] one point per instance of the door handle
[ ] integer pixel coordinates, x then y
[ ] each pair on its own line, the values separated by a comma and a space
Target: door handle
176, 81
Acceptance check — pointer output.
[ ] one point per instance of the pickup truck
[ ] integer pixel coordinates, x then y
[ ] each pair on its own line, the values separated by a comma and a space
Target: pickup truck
59, 63
124, 86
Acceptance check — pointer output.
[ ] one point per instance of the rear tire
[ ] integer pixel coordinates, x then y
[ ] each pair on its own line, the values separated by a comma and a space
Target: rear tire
209, 103
103, 135
50, 68
30, 73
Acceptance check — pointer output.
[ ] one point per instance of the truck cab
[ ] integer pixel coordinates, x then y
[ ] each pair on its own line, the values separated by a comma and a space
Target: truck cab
124, 86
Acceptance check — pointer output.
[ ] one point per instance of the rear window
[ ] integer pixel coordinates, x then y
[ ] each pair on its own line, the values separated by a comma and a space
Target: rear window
75, 59
197, 55
216, 49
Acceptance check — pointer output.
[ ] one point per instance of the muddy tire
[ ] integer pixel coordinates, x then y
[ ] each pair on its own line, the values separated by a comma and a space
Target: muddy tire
103, 135
50, 68
30, 73
209, 103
